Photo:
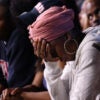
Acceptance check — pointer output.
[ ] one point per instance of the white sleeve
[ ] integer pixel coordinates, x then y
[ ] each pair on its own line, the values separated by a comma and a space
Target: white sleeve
55, 85
86, 83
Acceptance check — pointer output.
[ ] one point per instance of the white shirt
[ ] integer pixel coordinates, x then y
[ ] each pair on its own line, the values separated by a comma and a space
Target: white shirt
80, 80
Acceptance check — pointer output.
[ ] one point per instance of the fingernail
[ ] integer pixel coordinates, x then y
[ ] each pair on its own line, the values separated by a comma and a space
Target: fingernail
47, 44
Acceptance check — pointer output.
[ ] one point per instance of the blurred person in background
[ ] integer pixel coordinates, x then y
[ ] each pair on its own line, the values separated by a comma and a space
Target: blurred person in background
90, 13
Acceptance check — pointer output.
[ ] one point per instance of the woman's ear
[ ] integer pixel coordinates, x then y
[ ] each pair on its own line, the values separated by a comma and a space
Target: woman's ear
70, 46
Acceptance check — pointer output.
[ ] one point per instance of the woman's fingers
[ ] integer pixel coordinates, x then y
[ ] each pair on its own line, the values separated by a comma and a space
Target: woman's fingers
5, 94
39, 48
49, 55
39, 43
43, 49
48, 52
35, 47
16, 91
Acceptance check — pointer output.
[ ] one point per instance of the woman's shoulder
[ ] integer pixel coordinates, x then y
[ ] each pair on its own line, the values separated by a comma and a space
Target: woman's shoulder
90, 46
92, 29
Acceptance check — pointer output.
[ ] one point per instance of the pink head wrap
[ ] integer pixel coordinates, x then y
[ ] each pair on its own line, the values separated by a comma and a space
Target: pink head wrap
51, 24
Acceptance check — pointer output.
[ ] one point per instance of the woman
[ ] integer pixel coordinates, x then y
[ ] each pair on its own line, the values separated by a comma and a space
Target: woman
56, 40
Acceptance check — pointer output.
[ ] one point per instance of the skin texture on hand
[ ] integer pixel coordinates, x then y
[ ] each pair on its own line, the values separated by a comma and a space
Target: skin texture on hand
36, 96
7, 96
43, 49
26, 96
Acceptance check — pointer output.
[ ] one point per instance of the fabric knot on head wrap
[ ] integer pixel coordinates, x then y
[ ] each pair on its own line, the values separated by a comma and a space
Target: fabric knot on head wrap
52, 24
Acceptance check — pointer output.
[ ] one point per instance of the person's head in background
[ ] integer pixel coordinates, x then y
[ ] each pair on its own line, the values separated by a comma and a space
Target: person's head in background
91, 10
83, 17
17, 7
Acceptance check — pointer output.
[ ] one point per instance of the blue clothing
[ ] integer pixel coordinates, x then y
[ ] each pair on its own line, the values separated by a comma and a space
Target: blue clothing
29, 17
17, 59
21, 59
44, 83
19, 51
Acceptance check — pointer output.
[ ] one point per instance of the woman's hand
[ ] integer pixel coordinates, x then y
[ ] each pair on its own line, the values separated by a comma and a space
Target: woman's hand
10, 94
5, 95
44, 50
16, 91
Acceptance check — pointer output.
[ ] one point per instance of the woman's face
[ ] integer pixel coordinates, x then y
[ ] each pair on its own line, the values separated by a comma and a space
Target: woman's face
55, 49
58, 48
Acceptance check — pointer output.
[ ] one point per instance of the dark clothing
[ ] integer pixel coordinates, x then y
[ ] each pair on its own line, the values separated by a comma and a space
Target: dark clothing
19, 54
21, 58
3, 64
17, 59
29, 17
19, 51
2, 50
